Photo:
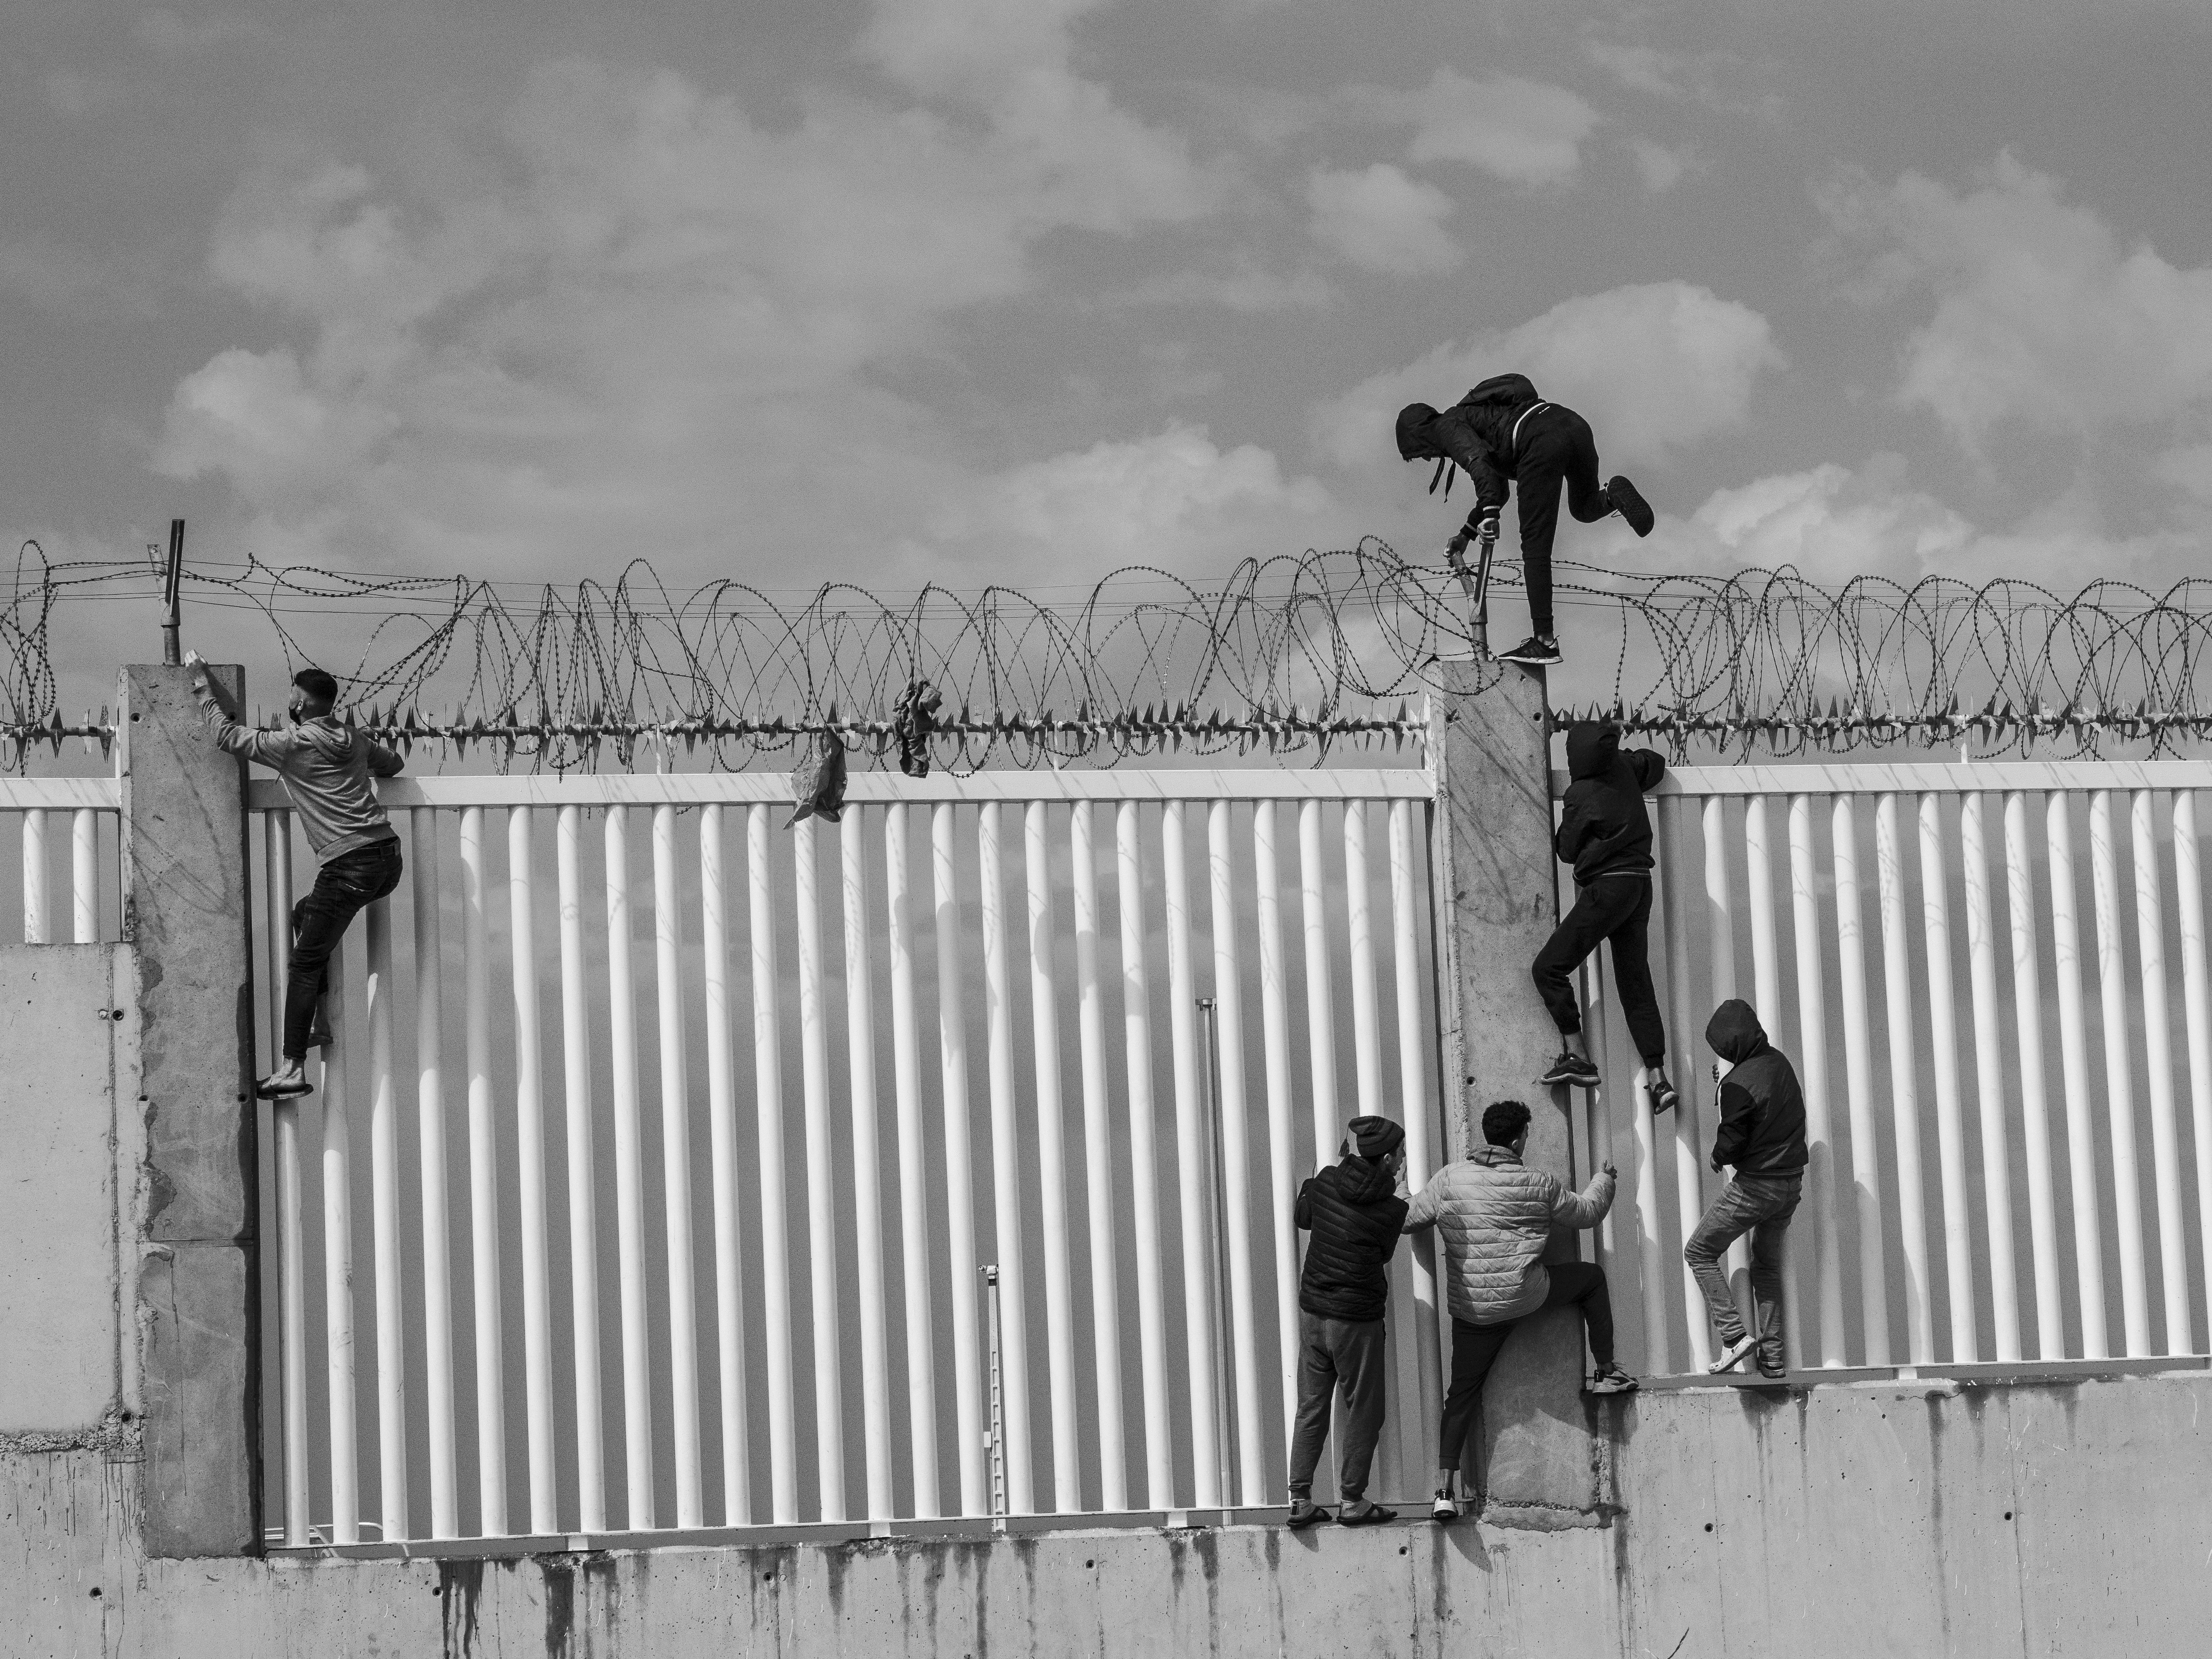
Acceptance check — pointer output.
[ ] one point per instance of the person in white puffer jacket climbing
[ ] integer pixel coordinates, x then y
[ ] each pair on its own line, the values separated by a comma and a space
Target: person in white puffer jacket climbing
1494, 1215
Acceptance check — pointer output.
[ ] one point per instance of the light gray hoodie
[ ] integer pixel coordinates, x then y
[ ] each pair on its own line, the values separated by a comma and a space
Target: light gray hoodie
326, 768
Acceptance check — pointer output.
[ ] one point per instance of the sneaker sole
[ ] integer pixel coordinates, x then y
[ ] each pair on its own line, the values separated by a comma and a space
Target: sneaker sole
260, 1093
1572, 1081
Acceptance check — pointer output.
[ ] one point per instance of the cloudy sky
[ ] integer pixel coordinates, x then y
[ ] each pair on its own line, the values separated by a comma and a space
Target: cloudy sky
970, 290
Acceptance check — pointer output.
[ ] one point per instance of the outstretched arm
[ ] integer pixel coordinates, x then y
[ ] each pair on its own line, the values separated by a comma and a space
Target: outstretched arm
1588, 1207
384, 761
1421, 1213
270, 748
1650, 766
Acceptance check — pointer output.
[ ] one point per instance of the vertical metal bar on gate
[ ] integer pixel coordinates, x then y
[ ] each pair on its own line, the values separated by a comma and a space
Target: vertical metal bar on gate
1190, 1169
1052, 1162
1989, 1078
1098, 1163
530, 1153
36, 928
1414, 1101
384, 1209
1321, 1007
775, 1220
1144, 1163
916, 1252
676, 1168
291, 1219
1950, 1134
629, 1180
582, 1189
84, 876
2035, 1128
2158, 1061
1904, 1086
1282, 1146
1812, 1068
1250, 1456
337, 1264
430, 1138
2081, 1148
2119, 1076
1720, 935
823, 1223
1858, 1085
2197, 1008
483, 1181
1216, 1209
1766, 975
1007, 1184
959, 1170
995, 1375
1689, 1163
722, 1145
867, 1169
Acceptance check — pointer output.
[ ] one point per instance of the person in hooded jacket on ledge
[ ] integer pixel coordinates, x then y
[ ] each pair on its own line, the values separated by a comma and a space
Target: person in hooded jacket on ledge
1605, 833
1503, 433
1354, 1209
1762, 1135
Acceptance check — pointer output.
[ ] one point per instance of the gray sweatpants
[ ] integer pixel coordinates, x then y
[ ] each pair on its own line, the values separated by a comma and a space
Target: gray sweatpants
1333, 1354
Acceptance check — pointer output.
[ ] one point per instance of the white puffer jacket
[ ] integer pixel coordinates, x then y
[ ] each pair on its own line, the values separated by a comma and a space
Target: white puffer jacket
1495, 1215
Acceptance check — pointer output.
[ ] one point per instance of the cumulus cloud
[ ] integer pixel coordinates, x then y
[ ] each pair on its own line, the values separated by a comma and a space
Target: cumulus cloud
650, 323
1380, 220
2041, 315
1653, 367
1660, 167
1525, 132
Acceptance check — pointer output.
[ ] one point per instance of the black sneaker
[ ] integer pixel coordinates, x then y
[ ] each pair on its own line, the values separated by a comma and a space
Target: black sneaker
1537, 651
1629, 505
1373, 1515
1571, 1069
281, 1085
1663, 1095
1304, 1513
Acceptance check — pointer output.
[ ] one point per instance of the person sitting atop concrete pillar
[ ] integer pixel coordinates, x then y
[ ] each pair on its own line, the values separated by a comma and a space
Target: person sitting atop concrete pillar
327, 768
1502, 432
1762, 1134
1605, 833
1354, 1209
1494, 1216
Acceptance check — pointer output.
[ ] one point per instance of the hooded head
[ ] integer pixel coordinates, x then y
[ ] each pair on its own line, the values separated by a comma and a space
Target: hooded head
1592, 746
1416, 440
1734, 1032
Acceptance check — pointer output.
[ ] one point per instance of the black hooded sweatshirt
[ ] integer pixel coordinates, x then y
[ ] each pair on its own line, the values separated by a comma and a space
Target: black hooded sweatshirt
1762, 1129
1604, 829
1354, 1213
1479, 433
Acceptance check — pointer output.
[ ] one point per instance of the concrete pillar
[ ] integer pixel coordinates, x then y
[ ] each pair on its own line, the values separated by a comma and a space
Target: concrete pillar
186, 912
1496, 902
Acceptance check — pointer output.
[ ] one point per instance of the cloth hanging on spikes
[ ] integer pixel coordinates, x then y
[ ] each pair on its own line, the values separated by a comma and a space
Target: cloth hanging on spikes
914, 717
818, 786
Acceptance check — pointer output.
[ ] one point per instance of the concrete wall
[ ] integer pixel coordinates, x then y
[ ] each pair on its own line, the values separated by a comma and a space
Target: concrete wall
2031, 1521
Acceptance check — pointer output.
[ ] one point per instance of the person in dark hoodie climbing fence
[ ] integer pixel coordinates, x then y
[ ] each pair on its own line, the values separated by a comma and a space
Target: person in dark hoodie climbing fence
326, 767
1354, 1211
1605, 833
1762, 1137
1503, 433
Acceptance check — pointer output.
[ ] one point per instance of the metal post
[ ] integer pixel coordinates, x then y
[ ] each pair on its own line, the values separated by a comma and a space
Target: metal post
1216, 1207
995, 1440
171, 580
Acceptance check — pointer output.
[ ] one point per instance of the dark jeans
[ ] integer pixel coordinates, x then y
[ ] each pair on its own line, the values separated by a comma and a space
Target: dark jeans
344, 886
1616, 907
1475, 1348
1333, 1354
1761, 1205
1556, 448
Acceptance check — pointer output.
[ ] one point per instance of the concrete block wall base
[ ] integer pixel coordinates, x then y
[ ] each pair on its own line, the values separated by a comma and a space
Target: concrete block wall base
2032, 1522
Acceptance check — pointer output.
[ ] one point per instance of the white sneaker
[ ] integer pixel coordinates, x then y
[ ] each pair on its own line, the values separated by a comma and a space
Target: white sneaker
1733, 1356
1445, 1509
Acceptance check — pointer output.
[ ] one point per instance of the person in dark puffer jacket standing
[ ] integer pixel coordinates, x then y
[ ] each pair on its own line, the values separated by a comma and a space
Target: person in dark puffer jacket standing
1605, 833
1354, 1211
1762, 1134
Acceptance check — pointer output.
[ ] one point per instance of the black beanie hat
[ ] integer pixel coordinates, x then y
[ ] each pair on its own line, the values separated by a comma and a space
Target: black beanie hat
1374, 1138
